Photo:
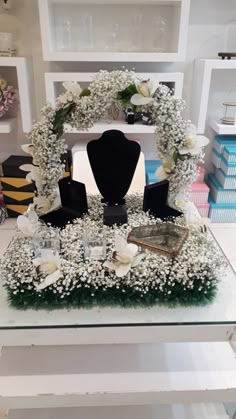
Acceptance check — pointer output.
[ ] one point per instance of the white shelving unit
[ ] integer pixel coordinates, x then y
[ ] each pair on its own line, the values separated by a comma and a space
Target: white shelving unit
201, 89
23, 72
117, 375
190, 411
223, 129
53, 85
112, 29
6, 125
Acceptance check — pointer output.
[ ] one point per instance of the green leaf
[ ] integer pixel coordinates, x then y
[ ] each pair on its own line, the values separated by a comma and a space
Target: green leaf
60, 118
127, 93
85, 92
175, 156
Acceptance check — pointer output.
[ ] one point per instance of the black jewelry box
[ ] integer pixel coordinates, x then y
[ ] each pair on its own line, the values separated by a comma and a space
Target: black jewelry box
155, 201
11, 166
116, 214
73, 203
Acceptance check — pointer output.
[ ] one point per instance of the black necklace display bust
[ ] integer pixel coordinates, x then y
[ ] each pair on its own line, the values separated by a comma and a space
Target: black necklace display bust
113, 159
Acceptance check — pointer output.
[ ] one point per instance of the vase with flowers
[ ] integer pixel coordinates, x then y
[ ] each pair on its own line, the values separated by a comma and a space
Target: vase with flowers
7, 97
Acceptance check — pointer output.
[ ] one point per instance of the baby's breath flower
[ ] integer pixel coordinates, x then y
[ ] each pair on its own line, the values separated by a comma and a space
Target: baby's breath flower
197, 265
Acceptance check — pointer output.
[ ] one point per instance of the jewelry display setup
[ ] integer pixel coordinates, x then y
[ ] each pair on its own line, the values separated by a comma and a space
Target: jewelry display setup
100, 261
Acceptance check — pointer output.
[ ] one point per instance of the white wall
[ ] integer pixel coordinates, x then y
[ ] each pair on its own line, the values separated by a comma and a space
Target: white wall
208, 19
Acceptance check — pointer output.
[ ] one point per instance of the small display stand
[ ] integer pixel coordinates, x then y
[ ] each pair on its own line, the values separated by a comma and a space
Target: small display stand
230, 113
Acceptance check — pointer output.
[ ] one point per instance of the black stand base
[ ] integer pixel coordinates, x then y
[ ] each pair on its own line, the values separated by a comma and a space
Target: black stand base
116, 214
60, 217
165, 213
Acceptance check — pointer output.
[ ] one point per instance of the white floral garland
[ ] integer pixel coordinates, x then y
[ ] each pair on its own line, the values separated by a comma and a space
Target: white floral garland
178, 145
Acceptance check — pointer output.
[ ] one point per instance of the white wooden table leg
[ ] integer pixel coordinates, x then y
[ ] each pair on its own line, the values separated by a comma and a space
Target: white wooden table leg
232, 341
3, 412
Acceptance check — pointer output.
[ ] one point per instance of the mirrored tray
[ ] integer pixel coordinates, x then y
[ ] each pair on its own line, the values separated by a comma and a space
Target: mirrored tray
165, 238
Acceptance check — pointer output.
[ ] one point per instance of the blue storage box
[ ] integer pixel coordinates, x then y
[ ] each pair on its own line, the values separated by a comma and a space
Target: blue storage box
216, 158
219, 194
151, 166
222, 141
222, 213
151, 178
227, 182
229, 154
229, 168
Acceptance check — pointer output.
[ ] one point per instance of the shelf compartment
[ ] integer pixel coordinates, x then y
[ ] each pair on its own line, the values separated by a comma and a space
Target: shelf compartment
201, 89
100, 375
24, 79
53, 82
53, 86
112, 30
6, 125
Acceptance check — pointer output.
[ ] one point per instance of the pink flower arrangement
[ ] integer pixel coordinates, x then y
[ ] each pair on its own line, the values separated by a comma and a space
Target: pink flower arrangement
7, 98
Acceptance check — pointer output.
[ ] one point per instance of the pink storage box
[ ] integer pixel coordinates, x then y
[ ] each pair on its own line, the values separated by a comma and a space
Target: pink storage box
203, 209
198, 193
201, 174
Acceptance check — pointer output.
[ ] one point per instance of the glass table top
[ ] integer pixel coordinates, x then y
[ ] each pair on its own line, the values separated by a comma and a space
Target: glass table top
221, 311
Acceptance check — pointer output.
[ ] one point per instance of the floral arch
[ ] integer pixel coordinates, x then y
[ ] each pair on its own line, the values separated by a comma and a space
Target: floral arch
177, 143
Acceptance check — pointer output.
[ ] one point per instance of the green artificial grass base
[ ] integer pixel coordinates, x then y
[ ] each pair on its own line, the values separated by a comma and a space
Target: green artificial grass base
126, 298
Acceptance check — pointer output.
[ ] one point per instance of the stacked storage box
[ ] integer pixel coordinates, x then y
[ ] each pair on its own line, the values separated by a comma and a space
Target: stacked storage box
150, 168
3, 157
1, 197
223, 182
198, 192
17, 192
